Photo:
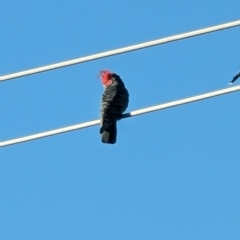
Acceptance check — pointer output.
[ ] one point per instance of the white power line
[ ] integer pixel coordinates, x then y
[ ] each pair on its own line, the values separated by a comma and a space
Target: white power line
131, 114
120, 50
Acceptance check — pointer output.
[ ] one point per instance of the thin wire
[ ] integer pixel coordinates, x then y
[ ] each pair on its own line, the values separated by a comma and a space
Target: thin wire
127, 115
120, 50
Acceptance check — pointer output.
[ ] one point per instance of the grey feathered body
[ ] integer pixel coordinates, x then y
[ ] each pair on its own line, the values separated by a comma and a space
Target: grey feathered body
114, 102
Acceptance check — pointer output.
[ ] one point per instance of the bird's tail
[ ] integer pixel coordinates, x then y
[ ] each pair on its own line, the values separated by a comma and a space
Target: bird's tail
110, 134
235, 78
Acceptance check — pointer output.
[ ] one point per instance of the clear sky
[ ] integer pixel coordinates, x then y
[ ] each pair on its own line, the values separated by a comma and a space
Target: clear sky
173, 174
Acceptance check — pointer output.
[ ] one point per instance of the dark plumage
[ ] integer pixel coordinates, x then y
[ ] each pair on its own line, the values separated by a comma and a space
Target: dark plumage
114, 102
235, 78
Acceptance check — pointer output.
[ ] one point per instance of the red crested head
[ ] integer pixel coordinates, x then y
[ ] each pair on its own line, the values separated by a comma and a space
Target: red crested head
106, 77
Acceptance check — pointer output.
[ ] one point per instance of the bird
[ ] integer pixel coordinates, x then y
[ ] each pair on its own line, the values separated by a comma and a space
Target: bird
114, 102
235, 78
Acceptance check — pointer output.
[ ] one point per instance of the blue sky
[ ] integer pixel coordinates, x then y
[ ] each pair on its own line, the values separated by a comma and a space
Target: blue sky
173, 174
